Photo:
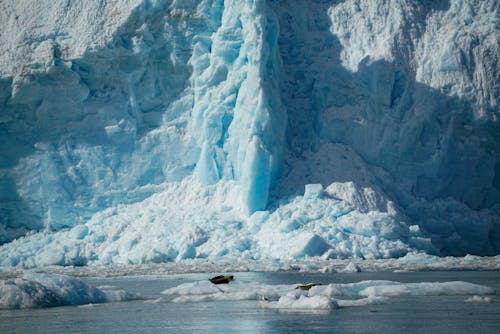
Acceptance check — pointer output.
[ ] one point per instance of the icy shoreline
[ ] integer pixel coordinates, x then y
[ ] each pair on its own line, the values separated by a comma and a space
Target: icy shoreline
410, 262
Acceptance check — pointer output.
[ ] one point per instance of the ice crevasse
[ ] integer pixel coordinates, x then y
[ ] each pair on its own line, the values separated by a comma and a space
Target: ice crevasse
137, 131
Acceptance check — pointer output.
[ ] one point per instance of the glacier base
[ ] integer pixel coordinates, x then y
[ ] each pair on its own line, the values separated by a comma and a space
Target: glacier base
139, 131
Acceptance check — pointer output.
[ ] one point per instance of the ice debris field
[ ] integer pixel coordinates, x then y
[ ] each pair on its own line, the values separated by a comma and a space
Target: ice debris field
144, 131
49, 290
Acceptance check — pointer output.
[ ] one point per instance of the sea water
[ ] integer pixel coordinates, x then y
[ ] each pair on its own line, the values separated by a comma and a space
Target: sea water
404, 314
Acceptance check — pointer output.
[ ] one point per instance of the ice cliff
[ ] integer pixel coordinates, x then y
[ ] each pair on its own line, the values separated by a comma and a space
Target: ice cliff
136, 131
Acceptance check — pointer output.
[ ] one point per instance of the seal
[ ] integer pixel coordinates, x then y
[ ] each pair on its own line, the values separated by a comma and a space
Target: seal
221, 279
306, 287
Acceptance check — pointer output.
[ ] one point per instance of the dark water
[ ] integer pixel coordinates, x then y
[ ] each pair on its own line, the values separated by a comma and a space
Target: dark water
436, 314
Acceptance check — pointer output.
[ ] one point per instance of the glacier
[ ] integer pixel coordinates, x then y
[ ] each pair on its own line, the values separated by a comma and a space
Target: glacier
139, 131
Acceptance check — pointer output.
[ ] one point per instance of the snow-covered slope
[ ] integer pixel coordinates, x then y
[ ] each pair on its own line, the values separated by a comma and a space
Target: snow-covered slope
134, 131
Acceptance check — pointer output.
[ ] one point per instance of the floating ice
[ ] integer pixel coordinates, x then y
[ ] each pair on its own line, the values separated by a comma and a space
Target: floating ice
319, 297
478, 299
291, 301
426, 289
49, 290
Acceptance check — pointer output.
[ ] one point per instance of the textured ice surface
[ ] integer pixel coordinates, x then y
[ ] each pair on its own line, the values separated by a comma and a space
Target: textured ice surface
152, 231
49, 290
136, 131
291, 301
322, 297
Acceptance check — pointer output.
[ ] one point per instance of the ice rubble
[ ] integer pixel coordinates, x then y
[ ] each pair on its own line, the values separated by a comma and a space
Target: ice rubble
136, 131
50, 290
150, 231
322, 297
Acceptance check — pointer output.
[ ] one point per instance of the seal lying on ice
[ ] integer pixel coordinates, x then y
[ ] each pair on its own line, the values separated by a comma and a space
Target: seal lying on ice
307, 286
221, 279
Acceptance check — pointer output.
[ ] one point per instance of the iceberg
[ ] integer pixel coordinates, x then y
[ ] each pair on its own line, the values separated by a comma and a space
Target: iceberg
50, 290
301, 303
142, 131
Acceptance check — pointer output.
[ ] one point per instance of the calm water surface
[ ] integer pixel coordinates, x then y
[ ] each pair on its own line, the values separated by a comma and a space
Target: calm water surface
437, 314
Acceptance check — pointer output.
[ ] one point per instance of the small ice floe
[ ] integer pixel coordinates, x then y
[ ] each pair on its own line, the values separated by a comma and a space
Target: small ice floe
49, 290
478, 299
394, 289
292, 301
427, 289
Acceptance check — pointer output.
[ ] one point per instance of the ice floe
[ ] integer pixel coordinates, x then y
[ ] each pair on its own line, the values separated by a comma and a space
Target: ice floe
49, 290
319, 297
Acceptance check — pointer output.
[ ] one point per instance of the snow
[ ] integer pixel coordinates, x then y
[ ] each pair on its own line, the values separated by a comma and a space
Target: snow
137, 131
50, 290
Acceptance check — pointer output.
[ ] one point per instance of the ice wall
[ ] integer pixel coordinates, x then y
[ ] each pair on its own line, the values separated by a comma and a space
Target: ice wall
398, 96
104, 102
137, 130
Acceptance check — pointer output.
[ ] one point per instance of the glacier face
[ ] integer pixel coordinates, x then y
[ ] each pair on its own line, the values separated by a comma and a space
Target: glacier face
403, 109
145, 131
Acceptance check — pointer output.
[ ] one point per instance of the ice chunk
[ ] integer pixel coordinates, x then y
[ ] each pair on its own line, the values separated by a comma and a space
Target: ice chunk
351, 268
364, 199
19, 293
72, 291
116, 294
301, 302
313, 191
427, 289
478, 299
49, 290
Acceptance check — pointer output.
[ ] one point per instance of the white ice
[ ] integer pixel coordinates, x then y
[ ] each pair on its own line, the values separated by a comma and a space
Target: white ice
322, 297
49, 290
478, 299
138, 131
